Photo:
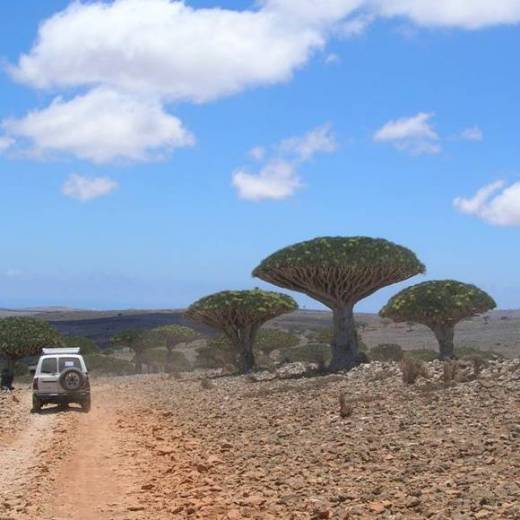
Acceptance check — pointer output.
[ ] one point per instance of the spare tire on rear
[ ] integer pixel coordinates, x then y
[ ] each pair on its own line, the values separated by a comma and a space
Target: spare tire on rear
71, 379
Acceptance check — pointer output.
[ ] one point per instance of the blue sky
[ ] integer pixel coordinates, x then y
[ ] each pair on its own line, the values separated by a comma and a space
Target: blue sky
405, 115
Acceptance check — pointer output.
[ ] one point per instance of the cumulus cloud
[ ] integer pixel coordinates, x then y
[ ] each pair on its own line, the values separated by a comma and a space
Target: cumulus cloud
168, 48
451, 13
278, 178
87, 188
166, 51
412, 134
101, 126
320, 139
473, 133
495, 203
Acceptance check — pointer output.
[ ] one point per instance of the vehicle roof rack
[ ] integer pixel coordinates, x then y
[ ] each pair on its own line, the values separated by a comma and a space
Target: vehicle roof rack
67, 350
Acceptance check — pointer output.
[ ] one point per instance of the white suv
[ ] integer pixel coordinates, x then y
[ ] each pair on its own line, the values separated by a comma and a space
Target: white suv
61, 377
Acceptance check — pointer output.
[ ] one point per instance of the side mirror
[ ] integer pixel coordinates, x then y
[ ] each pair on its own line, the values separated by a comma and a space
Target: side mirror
32, 370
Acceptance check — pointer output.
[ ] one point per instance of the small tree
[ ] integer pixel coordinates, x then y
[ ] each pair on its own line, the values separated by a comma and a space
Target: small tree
170, 336
338, 272
439, 305
135, 340
269, 340
21, 337
220, 352
239, 315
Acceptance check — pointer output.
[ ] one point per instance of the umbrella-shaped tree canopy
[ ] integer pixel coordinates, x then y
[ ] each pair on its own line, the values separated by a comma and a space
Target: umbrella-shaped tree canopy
338, 272
239, 315
439, 305
23, 336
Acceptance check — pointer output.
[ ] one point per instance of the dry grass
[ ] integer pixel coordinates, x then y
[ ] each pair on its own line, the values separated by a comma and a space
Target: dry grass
345, 409
206, 384
449, 372
411, 370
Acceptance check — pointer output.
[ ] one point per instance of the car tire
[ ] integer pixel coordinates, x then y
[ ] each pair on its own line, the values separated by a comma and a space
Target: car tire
71, 379
36, 405
85, 405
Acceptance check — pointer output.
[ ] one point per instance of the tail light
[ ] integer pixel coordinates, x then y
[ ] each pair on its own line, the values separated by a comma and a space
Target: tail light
35, 383
86, 384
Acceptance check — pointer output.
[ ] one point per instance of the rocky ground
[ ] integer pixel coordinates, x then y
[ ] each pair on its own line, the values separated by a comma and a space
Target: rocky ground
233, 448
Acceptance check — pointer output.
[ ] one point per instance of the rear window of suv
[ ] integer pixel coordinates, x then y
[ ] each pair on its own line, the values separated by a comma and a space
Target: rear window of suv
49, 366
69, 362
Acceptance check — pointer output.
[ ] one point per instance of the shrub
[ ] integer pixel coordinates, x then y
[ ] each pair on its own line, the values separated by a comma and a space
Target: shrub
422, 355
86, 345
108, 365
449, 371
411, 369
345, 409
310, 353
217, 353
469, 352
158, 355
386, 352
206, 384
20, 369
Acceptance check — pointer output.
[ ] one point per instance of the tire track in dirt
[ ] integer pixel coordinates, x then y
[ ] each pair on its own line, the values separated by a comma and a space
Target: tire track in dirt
95, 477
20, 460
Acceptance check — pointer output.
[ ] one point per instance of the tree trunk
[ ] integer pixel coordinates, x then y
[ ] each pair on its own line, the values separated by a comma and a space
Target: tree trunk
169, 358
246, 359
138, 360
10, 363
344, 339
244, 347
444, 335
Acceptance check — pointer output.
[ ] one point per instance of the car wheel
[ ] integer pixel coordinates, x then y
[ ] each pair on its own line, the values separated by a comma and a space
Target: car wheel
36, 405
71, 379
85, 405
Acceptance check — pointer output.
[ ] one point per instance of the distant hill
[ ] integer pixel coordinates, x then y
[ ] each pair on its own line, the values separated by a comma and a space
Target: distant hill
497, 330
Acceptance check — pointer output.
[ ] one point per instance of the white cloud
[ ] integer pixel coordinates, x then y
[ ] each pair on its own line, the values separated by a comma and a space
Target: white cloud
5, 143
148, 53
168, 48
355, 26
473, 133
332, 59
101, 126
320, 139
85, 188
465, 14
181, 53
494, 203
278, 178
257, 153
412, 134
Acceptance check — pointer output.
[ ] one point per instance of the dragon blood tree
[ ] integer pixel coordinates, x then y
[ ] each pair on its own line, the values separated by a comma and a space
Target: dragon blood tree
137, 341
21, 337
338, 272
239, 315
170, 336
439, 305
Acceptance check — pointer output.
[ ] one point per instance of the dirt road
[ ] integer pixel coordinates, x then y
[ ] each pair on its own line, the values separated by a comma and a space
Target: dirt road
126, 459
67, 464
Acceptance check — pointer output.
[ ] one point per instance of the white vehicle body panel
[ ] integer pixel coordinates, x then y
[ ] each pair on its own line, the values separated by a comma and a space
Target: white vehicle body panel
49, 368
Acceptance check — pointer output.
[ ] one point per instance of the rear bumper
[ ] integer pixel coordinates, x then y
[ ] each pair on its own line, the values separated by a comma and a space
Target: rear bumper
63, 398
